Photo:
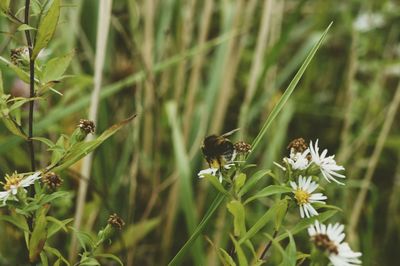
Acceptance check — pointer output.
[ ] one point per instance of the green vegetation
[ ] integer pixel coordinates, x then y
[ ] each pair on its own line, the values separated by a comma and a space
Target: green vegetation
189, 69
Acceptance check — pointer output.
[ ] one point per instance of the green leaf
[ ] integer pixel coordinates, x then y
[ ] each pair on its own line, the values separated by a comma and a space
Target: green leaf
111, 257
239, 181
215, 182
281, 210
17, 220
4, 5
240, 254
268, 191
211, 210
267, 217
305, 223
85, 240
225, 258
43, 259
24, 27
13, 127
237, 210
56, 67
57, 253
133, 234
252, 181
81, 149
47, 27
289, 90
56, 225
39, 234
290, 257
23, 75
46, 141
1, 84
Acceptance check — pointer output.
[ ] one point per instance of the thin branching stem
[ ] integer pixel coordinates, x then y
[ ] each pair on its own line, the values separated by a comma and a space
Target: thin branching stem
31, 86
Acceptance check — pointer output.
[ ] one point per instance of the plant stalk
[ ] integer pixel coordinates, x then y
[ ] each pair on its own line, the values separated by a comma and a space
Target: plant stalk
31, 87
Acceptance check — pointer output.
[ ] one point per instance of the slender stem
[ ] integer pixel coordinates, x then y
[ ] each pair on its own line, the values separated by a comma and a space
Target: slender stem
268, 245
31, 86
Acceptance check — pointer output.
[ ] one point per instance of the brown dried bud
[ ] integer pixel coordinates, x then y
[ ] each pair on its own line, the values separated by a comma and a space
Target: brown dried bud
52, 180
298, 145
19, 55
116, 221
242, 147
86, 125
323, 242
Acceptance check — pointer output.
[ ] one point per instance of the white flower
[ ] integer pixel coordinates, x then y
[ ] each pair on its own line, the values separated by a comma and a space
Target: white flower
210, 171
16, 181
329, 238
304, 196
298, 160
327, 165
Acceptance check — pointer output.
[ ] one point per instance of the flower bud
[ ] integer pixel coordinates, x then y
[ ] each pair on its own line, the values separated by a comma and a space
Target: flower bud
84, 128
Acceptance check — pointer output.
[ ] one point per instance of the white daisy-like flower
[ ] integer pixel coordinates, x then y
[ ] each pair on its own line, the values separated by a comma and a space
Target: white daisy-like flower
330, 239
16, 181
327, 164
210, 171
303, 193
298, 160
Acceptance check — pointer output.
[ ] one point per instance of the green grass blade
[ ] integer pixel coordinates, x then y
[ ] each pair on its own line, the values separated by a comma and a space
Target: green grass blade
211, 210
289, 90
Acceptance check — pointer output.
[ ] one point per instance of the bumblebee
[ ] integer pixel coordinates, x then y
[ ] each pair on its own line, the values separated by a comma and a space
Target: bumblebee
219, 150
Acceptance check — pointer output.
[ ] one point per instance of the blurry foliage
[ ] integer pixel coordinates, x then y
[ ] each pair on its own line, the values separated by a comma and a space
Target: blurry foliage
202, 55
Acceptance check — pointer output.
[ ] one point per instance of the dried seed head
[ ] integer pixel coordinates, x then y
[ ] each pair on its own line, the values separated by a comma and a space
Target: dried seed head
323, 242
242, 147
87, 126
19, 55
52, 180
297, 145
116, 221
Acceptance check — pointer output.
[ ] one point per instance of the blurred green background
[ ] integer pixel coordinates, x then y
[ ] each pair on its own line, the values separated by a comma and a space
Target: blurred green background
192, 68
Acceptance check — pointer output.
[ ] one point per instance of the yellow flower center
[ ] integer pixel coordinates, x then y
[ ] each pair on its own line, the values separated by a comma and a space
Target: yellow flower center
301, 196
12, 180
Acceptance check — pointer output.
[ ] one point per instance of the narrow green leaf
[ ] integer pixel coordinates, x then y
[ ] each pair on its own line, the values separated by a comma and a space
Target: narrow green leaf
268, 191
110, 257
305, 223
47, 27
24, 27
290, 257
211, 210
237, 210
252, 181
56, 67
57, 253
39, 234
23, 75
240, 254
225, 258
17, 220
215, 182
43, 259
81, 149
280, 213
289, 90
13, 127
56, 225
239, 181
267, 217
46, 141
1, 84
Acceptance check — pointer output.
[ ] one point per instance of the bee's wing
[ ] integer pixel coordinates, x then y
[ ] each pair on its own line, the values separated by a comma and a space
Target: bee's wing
227, 134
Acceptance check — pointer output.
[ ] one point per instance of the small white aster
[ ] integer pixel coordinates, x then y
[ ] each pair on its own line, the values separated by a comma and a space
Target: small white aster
210, 171
298, 160
16, 181
303, 194
329, 238
327, 164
